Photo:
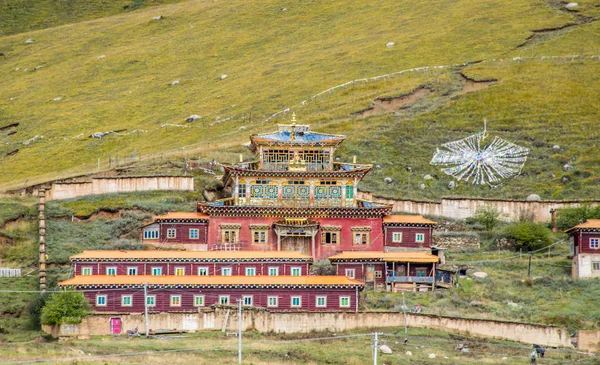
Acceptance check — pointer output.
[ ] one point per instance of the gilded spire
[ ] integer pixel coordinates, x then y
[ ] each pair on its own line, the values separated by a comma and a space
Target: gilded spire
293, 132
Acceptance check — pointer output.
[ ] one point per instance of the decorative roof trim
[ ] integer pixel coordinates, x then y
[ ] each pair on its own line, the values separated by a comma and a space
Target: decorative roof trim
361, 229
286, 212
230, 226
331, 228
260, 226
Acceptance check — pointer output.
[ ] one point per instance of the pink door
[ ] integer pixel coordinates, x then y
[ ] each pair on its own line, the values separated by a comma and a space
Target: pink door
115, 326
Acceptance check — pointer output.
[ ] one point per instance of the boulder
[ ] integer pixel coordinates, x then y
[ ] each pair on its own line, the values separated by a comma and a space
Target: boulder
283, 9
556, 147
388, 180
567, 167
390, 44
192, 118
57, 99
29, 41
422, 186
432, 356
533, 198
157, 18
223, 76
408, 353
428, 177
385, 349
571, 6
451, 185
101, 57
176, 82
513, 304
480, 274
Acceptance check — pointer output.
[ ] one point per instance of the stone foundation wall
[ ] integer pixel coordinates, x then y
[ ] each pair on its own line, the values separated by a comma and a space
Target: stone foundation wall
454, 242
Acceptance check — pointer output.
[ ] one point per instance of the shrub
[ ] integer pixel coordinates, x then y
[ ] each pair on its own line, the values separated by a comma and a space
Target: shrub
528, 235
487, 216
570, 217
65, 307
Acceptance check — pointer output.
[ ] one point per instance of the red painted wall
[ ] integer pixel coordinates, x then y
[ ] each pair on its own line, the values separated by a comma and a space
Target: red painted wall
322, 251
182, 235
583, 239
262, 268
361, 274
408, 236
211, 296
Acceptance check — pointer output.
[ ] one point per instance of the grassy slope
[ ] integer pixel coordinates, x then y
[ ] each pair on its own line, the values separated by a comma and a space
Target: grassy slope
263, 349
18, 16
275, 59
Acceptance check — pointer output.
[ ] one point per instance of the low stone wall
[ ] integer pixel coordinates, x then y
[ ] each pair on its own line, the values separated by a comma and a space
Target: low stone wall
454, 242
304, 322
106, 185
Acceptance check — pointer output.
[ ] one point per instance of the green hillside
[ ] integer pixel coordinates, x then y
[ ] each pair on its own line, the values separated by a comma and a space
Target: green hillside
115, 74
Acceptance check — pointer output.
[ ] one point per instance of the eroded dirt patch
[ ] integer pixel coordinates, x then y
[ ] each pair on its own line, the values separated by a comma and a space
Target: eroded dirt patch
471, 85
394, 105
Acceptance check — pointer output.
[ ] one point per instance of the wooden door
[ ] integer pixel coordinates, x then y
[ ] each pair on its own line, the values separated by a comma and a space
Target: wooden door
115, 326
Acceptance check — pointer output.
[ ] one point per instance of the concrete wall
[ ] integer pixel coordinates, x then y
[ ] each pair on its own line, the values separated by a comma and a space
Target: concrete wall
304, 322
464, 208
119, 185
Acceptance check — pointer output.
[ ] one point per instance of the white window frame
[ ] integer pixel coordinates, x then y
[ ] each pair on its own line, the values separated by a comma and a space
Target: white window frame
275, 302
87, 270
135, 268
350, 273
151, 234
594, 243
123, 300
224, 298
422, 239
171, 233
199, 301
227, 271
171, 300
324, 298
397, 237
296, 268
276, 270
179, 268
345, 297
296, 297
103, 296
154, 269
152, 302
250, 271
111, 268
249, 302
202, 268
595, 265
197, 234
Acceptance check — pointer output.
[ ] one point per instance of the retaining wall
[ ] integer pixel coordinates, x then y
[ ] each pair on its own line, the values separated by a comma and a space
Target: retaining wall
458, 208
304, 322
106, 185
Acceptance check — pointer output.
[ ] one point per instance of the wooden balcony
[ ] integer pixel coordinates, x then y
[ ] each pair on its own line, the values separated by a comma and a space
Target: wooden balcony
409, 279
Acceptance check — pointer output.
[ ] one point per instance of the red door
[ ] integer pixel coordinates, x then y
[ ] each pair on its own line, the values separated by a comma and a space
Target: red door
115, 326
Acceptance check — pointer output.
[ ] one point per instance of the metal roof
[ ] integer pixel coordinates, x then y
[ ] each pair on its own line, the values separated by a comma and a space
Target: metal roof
401, 256
96, 280
588, 224
408, 219
183, 215
160, 254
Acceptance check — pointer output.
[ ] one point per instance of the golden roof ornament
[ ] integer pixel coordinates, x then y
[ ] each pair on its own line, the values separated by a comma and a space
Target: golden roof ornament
293, 132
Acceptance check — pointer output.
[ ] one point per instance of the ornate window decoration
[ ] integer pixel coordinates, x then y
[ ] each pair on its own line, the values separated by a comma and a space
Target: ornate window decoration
259, 233
242, 189
349, 190
230, 233
361, 235
330, 235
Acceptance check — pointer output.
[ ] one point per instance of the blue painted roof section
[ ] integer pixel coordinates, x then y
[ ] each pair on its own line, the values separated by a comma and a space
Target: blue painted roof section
306, 137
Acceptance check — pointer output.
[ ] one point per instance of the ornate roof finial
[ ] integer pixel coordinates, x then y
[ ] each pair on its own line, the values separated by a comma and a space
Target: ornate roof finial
294, 118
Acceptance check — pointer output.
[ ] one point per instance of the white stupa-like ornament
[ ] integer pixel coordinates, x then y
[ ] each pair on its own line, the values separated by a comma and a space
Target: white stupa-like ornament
468, 159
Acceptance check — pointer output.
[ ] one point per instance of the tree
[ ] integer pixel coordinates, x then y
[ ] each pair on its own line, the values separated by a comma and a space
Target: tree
570, 217
65, 307
528, 235
488, 216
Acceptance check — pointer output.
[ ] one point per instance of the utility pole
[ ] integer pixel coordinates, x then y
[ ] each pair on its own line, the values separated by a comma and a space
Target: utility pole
375, 348
529, 267
146, 308
240, 331
404, 310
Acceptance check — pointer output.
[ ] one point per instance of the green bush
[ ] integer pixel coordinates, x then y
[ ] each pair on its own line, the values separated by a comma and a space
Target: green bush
65, 307
528, 235
570, 217
486, 216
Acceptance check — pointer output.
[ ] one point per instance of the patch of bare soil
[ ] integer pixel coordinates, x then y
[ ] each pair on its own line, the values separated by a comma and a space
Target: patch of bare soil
471, 85
394, 105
